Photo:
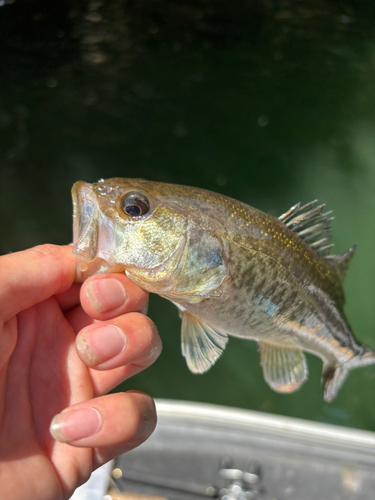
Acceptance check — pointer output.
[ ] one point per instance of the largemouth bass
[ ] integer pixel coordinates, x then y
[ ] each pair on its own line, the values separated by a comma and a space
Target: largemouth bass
230, 269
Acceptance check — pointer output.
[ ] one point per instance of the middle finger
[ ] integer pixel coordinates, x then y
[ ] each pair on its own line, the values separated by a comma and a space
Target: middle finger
118, 349
130, 338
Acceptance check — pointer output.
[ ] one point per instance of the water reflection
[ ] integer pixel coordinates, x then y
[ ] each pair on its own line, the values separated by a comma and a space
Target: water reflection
269, 102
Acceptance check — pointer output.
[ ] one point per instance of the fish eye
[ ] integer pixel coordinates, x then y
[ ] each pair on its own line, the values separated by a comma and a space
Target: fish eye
135, 204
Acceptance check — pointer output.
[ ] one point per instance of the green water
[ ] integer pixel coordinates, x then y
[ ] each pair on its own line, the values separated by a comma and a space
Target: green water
268, 102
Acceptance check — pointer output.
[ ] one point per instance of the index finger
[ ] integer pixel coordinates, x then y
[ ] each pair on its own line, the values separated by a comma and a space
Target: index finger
105, 296
34, 275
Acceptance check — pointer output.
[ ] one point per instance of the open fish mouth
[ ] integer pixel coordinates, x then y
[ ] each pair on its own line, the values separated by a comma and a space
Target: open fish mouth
87, 231
85, 222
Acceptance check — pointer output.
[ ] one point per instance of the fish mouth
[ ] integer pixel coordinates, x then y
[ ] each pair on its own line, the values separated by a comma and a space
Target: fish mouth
85, 222
86, 228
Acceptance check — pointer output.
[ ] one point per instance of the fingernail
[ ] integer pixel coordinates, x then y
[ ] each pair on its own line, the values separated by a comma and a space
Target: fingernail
71, 425
105, 294
100, 344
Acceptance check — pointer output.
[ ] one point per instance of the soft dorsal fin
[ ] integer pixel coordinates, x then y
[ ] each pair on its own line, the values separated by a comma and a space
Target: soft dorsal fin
201, 344
284, 369
311, 224
341, 262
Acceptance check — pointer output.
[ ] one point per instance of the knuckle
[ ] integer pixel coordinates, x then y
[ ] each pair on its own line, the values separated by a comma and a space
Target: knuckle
47, 250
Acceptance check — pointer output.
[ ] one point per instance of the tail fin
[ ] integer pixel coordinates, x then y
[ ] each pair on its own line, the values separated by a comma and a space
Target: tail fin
333, 378
367, 356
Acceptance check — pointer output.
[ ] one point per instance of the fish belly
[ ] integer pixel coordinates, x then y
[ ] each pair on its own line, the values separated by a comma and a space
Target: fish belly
281, 314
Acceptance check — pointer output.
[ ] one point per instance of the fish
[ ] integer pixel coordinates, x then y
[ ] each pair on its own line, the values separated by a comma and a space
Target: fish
231, 270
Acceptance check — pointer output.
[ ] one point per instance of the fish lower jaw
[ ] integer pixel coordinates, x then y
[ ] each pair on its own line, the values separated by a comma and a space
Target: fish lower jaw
85, 269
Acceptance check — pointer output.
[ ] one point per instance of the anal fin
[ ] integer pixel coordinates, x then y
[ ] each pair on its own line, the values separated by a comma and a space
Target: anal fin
201, 344
284, 369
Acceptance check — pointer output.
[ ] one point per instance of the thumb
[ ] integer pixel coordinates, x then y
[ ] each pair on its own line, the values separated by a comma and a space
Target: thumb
32, 276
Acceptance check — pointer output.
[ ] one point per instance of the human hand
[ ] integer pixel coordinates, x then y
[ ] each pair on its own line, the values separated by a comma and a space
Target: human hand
62, 347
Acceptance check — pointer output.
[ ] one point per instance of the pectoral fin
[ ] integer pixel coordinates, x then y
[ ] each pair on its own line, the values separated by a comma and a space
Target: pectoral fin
201, 344
284, 369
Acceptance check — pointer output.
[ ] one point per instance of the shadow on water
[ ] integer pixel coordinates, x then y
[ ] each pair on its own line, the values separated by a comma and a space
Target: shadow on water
269, 102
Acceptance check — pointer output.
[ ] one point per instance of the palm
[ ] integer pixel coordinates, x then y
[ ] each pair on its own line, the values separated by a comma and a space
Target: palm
42, 322
46, 375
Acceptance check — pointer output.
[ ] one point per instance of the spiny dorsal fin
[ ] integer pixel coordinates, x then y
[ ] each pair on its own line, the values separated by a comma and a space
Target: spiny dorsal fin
201, 344
341, 262
311, 224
